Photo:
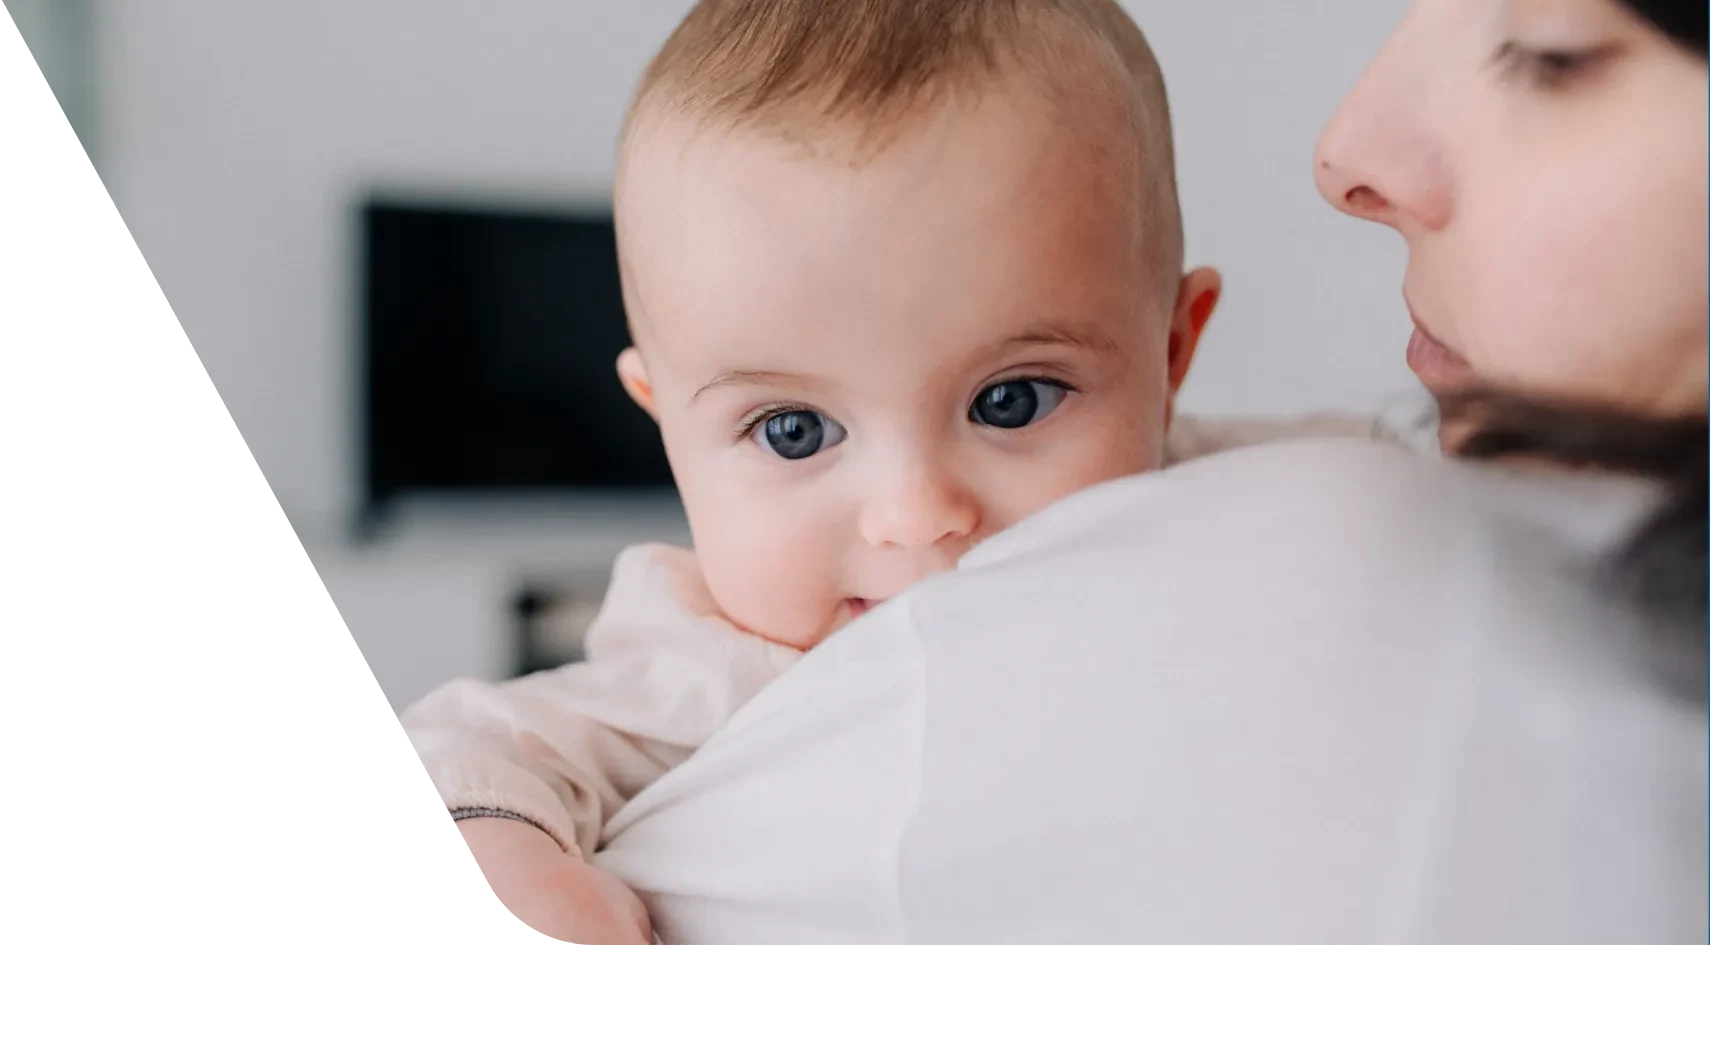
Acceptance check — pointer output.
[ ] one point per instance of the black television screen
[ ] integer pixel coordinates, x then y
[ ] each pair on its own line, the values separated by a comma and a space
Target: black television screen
491, 343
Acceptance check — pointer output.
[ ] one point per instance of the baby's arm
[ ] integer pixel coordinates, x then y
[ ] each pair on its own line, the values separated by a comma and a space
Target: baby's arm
531, 777
534, 768
552, 891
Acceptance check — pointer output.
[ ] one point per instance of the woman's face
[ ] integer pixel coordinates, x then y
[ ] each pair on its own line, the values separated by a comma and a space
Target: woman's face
1546, 162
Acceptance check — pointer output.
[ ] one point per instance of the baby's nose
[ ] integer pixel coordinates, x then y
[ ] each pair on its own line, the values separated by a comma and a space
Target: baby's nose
923, 509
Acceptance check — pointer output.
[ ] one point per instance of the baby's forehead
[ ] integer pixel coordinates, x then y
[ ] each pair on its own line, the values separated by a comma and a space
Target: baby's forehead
1051, 142
1009, 146
982, 220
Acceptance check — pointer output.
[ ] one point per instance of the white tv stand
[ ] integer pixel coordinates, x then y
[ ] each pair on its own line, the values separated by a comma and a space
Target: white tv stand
430, 597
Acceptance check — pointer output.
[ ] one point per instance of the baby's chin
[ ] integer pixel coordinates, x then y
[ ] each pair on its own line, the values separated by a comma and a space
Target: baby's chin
798, 637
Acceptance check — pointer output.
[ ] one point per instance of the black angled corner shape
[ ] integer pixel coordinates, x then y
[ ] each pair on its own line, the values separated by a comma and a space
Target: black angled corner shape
212, 744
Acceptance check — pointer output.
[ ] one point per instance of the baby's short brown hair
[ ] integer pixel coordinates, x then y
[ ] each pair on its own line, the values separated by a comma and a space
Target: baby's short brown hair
800, 66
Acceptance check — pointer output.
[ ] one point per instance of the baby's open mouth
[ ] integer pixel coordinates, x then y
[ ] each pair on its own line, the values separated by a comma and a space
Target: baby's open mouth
857, 607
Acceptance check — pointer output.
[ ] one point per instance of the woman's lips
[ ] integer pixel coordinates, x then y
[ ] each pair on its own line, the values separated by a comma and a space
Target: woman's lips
1436, 366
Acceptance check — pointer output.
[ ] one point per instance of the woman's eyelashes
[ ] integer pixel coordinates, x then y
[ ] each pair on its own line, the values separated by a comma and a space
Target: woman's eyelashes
1549, 69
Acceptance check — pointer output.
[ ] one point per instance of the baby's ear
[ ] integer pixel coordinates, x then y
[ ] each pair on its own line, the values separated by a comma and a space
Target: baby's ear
1200, 292
632, 371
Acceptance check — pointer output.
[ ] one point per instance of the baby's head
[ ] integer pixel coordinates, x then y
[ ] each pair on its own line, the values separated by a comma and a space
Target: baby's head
900, 273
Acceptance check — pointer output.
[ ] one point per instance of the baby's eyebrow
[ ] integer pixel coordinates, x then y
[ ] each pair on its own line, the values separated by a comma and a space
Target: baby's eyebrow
1079, 334
745, 378
1076, 334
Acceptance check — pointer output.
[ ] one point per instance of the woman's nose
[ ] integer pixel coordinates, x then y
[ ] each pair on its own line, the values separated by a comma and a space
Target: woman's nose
1377, 158
921, 508
1348, 192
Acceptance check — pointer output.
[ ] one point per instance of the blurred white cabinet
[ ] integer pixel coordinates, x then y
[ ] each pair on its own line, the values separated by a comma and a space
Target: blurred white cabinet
436, 599
420, 624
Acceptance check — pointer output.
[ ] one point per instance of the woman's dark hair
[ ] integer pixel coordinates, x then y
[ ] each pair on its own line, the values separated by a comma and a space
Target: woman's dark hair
1664, 568
1682, 20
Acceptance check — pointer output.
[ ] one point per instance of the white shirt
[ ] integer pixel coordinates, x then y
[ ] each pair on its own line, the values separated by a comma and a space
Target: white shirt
1324, 692
565, 749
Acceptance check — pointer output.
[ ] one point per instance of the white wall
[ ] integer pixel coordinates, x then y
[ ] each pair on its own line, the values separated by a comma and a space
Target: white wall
59, 34
1313, 316
235, 136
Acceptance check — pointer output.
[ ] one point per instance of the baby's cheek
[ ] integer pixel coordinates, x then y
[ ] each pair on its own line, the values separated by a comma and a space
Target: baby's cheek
767, 548
1105, 449
771, 582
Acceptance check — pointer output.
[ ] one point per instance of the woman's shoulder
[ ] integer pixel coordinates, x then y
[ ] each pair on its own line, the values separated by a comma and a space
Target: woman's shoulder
1376, 678
1192, 437
1253, 526
1352, 555
1263, 500
1346, 498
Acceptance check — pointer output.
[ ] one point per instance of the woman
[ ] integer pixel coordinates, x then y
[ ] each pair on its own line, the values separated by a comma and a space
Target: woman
1311, 692
1554, 210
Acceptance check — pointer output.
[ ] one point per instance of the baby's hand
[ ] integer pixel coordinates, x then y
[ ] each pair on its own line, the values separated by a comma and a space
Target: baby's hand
552, 892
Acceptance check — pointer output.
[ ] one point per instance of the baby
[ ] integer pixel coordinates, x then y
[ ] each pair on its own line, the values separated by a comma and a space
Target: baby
900, 273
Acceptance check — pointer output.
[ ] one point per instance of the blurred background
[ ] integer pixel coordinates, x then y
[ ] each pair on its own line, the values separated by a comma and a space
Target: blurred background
385, 226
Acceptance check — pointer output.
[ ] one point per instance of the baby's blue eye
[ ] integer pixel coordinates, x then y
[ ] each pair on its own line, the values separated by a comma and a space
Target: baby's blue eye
797, 434
1017, 403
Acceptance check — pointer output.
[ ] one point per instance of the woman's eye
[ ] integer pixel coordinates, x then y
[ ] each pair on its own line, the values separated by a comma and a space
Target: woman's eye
797, 434
1548, 68
1017, 403
1552, 68
1561, 63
